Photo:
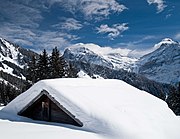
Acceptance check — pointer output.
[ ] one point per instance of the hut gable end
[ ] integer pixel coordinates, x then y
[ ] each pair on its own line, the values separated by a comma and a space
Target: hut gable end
44, 107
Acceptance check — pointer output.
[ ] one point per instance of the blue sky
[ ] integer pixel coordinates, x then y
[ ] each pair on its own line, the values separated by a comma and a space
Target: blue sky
131, 24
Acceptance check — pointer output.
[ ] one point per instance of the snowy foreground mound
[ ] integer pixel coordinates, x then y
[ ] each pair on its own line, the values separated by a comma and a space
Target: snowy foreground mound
107, 108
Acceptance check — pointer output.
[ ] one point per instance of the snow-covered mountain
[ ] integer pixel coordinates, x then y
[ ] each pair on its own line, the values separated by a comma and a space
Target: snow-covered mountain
105, 62
102, 62
104, 56
162, 65
13, 58
97, 61
10, 54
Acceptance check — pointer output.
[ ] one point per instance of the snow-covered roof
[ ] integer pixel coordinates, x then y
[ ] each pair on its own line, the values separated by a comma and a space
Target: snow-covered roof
108, 107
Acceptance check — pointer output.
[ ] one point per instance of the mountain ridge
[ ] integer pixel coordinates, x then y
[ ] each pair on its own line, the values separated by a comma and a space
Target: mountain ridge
164, 60
14, 58
13, 61
114, 59
163, 64
105, 56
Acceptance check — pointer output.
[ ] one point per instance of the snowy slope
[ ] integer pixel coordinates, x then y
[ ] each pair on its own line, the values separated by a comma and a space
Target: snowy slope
107, 108
13, 58
9, 52
104, 56
162, 65
21, 130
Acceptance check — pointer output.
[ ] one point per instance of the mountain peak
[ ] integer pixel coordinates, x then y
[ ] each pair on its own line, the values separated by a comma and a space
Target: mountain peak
162, 64
165, 42
116, 58
93, 48
168, 41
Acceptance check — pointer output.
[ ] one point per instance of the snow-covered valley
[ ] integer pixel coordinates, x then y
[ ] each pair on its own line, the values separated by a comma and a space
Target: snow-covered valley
23, 130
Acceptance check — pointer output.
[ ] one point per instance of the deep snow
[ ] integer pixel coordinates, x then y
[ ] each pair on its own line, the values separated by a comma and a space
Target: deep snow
22, 130
107, 108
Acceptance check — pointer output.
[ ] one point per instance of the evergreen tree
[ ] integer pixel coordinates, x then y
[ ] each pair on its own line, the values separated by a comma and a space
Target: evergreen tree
32, 70
43, 66
72, 71
55, 64
46, 67
64, 67
173, 101
8, 92
3, 93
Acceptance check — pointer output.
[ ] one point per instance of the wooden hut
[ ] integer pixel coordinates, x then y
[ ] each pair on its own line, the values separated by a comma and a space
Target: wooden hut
46, 108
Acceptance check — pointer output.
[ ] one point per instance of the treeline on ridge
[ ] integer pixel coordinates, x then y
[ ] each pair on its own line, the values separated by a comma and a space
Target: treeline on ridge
40, 67
49, 67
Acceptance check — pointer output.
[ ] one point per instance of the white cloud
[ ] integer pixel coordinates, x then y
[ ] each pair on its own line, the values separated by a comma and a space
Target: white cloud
138, 52
69, 24
138, 47
100, 8
160, 4
145, 38
20, 41
177, 36
20, 14
113, 31
20, 21
130, 49
134, 53
48, 40
35, 39
102, 50
16, 34
91, 9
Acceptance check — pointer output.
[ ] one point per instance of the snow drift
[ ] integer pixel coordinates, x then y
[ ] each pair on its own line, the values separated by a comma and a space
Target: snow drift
108, 108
